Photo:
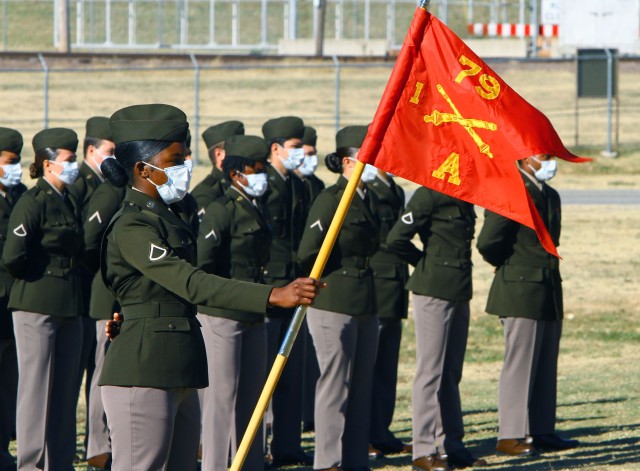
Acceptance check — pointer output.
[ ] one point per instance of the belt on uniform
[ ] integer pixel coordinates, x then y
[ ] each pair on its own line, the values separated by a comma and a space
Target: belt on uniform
156, 309
551, 262
62, 262
448, 253
355, 262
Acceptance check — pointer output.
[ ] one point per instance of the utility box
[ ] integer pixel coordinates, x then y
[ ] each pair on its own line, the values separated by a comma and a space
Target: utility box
599, 24
593, 73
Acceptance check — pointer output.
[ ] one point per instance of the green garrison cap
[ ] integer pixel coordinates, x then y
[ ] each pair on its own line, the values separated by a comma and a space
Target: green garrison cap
286, 127
249, 147
156, 122
310, 137
98, 128
187, 141
351, 136
55, 138
220, 132
10, 140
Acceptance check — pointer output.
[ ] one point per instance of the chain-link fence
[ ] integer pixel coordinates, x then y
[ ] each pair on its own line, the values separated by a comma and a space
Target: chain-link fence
58, 91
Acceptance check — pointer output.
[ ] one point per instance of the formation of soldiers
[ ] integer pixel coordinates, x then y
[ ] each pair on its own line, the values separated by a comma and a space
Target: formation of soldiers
108, 271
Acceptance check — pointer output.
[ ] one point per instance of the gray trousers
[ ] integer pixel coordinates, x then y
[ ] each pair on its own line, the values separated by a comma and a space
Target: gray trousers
441, 328
310, 374
48, 363
527, 391
153, 429
98, 432
286, 403
346, 350
385, 378
8, 396
236, 355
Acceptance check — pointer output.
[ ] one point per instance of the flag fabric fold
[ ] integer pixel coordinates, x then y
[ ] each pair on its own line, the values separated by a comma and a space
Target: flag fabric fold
447, 121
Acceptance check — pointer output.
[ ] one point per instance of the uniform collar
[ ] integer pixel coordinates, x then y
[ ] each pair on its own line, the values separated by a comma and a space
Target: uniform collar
46, 185
539, 185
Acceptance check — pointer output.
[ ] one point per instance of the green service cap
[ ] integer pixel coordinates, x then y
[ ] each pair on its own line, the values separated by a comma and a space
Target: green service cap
55, 138
10, 140
287, 127
98, 127
220, 132
156, 122
249, 147
310, 137
351, 136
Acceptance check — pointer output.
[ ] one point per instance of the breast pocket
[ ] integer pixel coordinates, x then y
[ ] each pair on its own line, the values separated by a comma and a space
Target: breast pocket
182, 244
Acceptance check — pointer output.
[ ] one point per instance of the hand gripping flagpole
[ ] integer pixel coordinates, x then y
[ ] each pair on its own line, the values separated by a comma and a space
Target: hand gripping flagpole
296, 322
316, 273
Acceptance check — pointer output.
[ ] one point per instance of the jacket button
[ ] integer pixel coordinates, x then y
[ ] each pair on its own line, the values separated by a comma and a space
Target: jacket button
266, 272
522, 278
172, 326
344, 272
446, 263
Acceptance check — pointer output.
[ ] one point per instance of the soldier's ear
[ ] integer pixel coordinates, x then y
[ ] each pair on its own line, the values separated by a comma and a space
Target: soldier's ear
141, 170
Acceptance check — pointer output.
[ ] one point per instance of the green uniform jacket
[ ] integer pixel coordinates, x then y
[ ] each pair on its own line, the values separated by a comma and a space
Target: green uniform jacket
527, 282
104, 204
234, 243
313, 186
350, 286
81, 192
389, 270
42, 251
285, 203
208, 190
445, 226
148, 260
7, 204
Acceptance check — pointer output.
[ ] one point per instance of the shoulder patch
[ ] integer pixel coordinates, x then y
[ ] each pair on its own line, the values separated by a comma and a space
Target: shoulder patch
156, 252
317, 224
212, 234
96, 215
20, 231
407, 218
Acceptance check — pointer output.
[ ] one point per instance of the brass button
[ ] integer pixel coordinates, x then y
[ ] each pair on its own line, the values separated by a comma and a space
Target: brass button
172, 326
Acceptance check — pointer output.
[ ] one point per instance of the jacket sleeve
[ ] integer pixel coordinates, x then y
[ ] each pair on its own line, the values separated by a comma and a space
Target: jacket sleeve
318, 221
144, 248
495, 242
24, 224
103, 205
214, 239
416, 217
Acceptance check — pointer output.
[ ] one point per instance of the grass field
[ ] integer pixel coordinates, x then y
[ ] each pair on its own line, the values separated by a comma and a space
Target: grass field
599, 382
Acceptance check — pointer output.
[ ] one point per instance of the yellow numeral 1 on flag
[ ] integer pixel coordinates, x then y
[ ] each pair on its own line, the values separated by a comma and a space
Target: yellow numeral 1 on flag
450, 166
489, 87
415, 99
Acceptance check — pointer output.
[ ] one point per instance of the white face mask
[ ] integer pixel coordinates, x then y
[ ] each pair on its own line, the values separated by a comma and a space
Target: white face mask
256, 184
369, 173
177, 185
547, 170
294, 158
12, 175
69, 172
189, 164
309, 165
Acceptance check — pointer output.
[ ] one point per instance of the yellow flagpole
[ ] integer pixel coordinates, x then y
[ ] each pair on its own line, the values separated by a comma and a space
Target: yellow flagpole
296, 322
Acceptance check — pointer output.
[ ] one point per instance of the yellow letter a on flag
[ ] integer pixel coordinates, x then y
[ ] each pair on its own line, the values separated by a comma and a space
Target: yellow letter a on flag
450, 166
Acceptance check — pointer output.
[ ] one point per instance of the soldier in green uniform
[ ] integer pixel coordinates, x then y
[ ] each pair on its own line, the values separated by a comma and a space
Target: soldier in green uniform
390, 274
234, 243
98, 145
214, 185
158, 360
344, 325
441, 287
104, 204
286, 204
311, 370
42, 252
527, 295
11, 189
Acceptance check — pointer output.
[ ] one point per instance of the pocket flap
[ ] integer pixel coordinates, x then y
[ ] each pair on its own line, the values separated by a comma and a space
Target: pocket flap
276, 270
170, 324
522, 273
384, 270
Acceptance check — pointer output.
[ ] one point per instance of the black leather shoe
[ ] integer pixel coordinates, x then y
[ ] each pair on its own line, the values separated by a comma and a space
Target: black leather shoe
553, 442
462, 458
299, 459
394, 448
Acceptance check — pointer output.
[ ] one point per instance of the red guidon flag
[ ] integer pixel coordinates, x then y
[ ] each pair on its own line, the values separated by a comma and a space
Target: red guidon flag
447, 121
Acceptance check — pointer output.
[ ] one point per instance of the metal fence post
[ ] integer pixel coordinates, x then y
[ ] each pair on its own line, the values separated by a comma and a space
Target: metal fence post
45, 68
609, 152
196, 107
336, 62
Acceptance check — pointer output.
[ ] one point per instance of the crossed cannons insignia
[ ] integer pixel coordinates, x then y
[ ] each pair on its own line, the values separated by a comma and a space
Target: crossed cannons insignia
438, 118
